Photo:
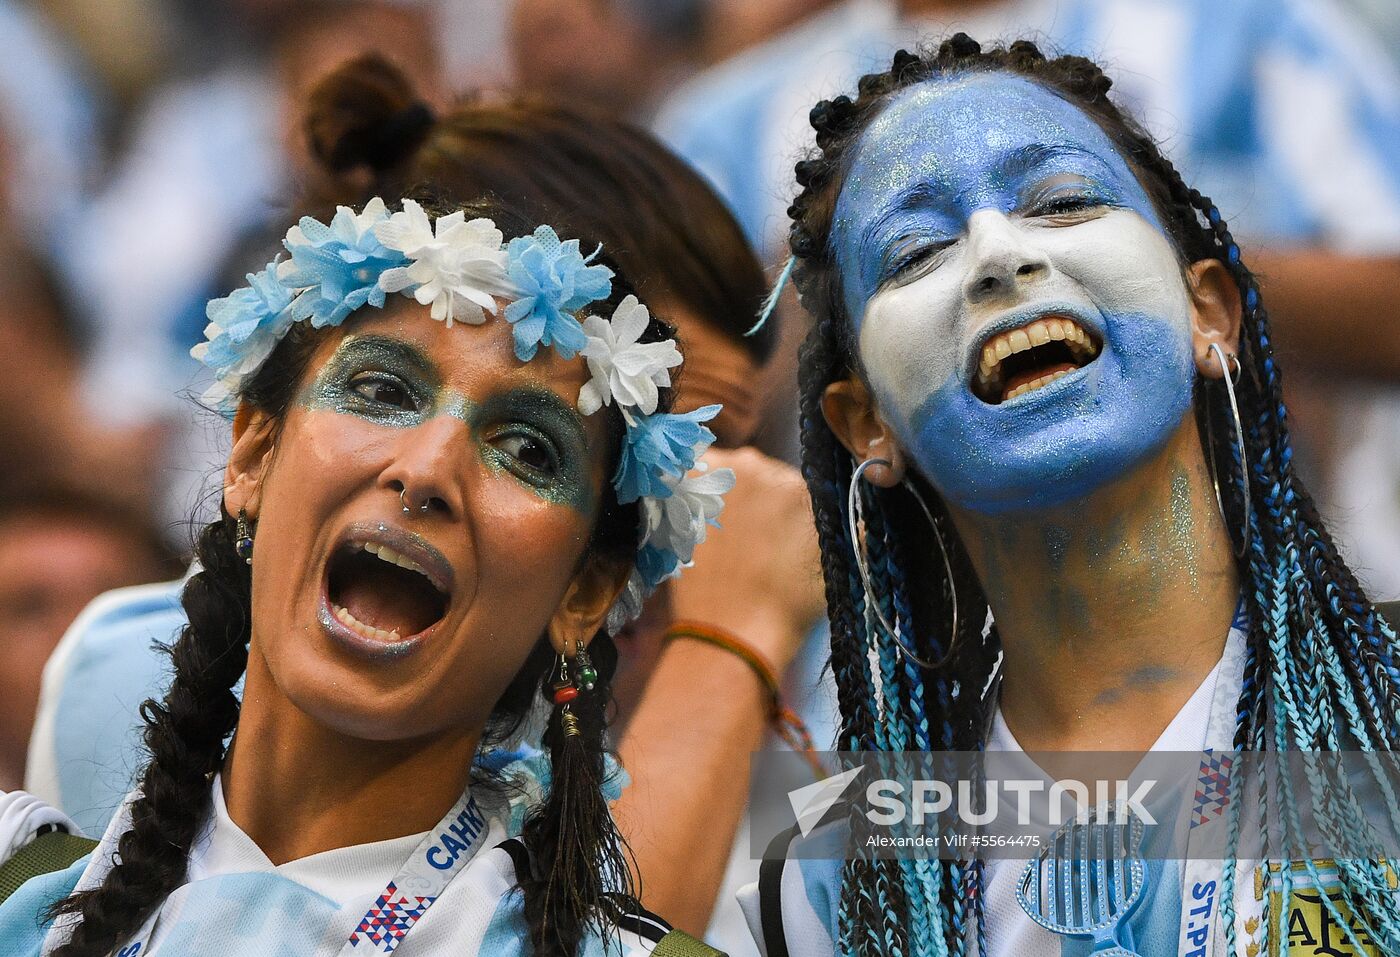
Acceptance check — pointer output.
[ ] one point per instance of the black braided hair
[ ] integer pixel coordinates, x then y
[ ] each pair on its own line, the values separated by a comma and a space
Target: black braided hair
1320, 670
579, 880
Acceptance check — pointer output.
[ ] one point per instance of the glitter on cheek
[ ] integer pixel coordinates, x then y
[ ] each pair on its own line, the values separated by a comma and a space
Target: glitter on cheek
1032, 456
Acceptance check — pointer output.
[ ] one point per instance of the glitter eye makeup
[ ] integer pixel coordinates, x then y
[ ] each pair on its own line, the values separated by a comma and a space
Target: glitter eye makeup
1020, 312
378, 378
526, 432
531, 433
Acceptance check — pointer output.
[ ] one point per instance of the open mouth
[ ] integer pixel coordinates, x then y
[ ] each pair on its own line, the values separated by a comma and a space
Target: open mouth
1031, 357
382, 594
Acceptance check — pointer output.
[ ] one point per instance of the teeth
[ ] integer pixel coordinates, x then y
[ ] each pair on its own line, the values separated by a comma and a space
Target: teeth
1036, 384
343, 616
385, 553
1038, 333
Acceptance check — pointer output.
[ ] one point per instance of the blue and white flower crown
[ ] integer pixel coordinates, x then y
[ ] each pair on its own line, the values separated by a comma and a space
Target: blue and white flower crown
461, 268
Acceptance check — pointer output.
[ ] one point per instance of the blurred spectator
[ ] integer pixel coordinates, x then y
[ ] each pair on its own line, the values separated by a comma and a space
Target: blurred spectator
619, 56
1282, 111
732, 26
48, 435
213, 160
1382, 16
58, 550
129, 44
49, 122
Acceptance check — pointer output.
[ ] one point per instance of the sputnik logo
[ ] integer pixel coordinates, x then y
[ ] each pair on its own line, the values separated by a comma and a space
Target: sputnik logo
811, 802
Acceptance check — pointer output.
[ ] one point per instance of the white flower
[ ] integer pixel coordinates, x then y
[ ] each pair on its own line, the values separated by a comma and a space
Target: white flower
678, 523
459, 269
623, 368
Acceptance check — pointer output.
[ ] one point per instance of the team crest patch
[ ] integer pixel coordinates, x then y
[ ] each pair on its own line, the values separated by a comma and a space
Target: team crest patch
386, 923
1313, 931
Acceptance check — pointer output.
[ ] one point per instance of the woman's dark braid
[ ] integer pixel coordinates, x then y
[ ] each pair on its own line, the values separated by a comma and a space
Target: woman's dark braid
1320, 668
580, 878
185, 734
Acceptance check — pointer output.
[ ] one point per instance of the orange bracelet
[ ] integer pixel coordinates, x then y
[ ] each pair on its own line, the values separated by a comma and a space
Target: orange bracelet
786, 722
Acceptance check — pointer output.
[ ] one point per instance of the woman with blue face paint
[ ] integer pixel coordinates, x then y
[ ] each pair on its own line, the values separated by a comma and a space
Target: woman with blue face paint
1031, 333
455, 475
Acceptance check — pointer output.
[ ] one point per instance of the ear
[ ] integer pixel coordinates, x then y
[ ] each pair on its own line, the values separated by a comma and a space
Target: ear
855, 420
1215, 314
248, 461
586, 603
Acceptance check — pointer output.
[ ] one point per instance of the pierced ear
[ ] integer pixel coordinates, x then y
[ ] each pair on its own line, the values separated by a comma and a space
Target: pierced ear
586, 603
855, 420
1215, 314
248, 461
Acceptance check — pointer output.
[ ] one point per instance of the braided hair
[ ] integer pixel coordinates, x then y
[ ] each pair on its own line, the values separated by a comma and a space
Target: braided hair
578, 880
1320, 669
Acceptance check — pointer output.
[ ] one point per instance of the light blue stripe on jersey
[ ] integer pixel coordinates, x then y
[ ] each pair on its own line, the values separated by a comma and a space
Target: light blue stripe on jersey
87, 745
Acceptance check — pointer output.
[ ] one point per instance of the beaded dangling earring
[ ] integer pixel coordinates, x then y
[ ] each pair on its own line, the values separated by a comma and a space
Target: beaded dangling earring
585, 674
566, 690
243, 540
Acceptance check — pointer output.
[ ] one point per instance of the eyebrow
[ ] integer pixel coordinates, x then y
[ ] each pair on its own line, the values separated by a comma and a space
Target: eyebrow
406, 350
1021, 161
914, 196
533, 397
1027, 159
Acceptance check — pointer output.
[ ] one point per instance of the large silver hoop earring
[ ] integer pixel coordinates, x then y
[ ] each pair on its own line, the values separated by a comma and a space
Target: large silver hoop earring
1228, 378
855, 522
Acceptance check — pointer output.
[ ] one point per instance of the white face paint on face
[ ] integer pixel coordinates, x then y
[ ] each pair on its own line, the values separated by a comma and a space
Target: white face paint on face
1021, 315
1114, 262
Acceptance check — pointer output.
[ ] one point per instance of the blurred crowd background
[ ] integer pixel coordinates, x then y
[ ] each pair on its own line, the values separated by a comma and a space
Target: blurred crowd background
148, 148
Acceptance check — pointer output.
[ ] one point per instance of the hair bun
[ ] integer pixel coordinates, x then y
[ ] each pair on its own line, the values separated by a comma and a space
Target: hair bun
365, 113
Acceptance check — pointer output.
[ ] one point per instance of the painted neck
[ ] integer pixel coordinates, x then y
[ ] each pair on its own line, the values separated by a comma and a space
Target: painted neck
297, 787
1113, 610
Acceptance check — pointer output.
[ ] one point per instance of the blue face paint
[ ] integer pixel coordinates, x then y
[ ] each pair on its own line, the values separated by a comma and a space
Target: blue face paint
978, 204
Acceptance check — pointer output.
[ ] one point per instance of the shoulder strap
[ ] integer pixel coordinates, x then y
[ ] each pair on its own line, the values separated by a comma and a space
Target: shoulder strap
678, 943
45, 854
770, 893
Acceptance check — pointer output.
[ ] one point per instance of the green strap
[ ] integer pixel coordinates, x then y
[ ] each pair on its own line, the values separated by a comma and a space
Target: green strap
45, 854
680, 944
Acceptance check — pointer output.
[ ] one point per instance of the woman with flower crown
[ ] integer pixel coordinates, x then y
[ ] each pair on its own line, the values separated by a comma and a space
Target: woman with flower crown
454, 475
1050, 465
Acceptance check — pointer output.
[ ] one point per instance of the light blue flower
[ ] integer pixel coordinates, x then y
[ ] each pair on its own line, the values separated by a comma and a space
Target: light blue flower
554, 280
655, 565
658, 445
341, 263
246, 325
527, 775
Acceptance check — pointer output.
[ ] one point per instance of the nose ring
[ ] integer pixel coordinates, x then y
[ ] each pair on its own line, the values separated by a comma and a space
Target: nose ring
403, 500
